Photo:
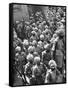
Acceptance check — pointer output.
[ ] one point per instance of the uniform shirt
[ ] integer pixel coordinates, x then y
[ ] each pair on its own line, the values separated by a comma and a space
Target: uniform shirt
52, 76
28, 69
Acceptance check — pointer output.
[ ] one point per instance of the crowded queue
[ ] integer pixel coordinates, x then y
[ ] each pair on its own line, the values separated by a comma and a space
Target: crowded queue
39, 49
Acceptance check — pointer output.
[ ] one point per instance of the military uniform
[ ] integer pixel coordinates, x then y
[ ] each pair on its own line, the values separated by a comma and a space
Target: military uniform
38, 74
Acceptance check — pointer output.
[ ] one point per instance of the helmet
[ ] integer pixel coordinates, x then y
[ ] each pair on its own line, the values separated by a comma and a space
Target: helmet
54, 35
23, 53
41, 37
44, 32
31, 49
33, 24
33, 33
17, 22
32, 38
40, 26
46, 27
60, 32
52, 63
37, 60
34, 42
31, 17
35, 53
44, 22
47, 31
27, 27
18, 49
63, 20
17, 54
40, 43
44, 52
35, 29
27, 23
25, 42
30, 57
47, 46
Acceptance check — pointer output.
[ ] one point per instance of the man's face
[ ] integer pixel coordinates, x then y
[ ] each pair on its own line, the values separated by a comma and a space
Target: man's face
52, 67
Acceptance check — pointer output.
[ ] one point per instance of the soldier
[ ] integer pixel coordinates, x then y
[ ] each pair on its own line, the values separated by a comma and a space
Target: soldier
53, 74
28, 31
36, 54
18, 49
46, 54
28, 67
25, 45
59, 50
38, 72
34, 43
34, 35
42, 37
31, 49
39, 48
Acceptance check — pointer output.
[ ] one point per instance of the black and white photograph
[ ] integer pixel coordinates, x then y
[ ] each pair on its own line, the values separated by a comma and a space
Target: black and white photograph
37, 39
